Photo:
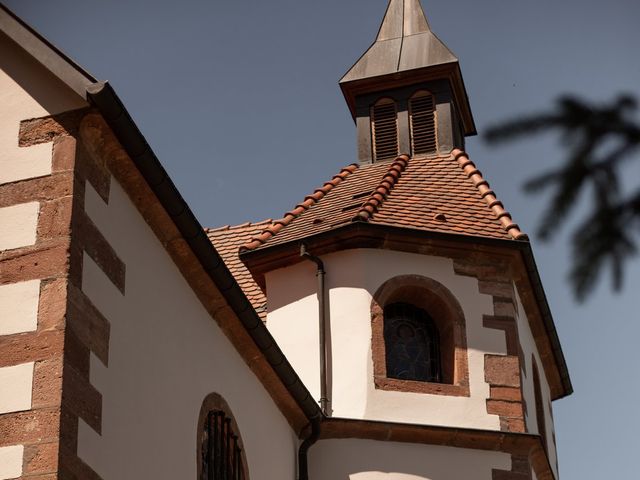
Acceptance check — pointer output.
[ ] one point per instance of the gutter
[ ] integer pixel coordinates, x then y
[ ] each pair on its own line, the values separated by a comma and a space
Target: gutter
104, 98
50, 57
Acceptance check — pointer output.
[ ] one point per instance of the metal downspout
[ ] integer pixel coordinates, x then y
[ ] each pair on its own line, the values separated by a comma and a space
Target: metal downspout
323, 325
303, 459
303, 462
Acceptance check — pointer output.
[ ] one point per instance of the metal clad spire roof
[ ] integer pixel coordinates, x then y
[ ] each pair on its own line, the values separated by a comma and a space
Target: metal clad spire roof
403, 18
415, 20
392, 26
405, 42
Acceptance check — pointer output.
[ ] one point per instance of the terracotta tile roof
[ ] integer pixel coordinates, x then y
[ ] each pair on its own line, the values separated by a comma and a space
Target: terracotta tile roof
227, 241
441, 194
309, 201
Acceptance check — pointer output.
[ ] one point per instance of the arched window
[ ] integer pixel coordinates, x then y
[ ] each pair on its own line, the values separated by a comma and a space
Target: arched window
384, 129
422, 118
419, 341
220, 451
412, 344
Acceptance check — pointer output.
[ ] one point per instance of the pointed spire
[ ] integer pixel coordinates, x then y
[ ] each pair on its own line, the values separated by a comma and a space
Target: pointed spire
405, 42
403, 18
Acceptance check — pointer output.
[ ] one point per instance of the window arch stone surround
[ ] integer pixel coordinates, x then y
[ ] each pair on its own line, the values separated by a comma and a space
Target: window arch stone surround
215, 402
442, 306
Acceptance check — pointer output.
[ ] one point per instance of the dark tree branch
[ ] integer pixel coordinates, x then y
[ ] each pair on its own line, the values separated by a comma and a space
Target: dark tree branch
599, 139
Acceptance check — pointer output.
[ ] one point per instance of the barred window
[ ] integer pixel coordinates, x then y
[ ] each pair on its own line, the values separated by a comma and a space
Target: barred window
412, 344
221, 452
384, 129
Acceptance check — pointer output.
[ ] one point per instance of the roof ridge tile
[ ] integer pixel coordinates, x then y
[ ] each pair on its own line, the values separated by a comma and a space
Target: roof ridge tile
378, 196
489, 196
310, 200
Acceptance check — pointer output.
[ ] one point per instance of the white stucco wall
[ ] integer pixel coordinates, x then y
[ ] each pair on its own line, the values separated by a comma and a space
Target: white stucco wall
528, 349
166, 354
27, 91
353, 277
353, 459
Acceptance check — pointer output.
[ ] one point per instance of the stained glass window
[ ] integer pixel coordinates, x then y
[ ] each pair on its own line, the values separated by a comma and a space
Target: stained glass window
411, 344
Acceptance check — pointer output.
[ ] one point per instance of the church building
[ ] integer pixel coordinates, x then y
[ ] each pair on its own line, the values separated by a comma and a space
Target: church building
391, 326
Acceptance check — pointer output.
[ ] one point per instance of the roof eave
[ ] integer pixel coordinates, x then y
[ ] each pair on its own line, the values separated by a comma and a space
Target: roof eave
543, 304
526, 444
259, 260
50, 57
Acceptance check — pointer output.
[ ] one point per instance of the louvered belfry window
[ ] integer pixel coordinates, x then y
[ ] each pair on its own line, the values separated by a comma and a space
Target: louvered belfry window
422, 116
220, 449
384, 128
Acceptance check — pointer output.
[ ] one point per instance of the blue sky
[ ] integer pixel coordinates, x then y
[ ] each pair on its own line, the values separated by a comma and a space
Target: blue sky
240, 101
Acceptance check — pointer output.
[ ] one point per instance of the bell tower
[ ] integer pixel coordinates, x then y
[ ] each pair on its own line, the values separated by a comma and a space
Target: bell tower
404, 293
406, 93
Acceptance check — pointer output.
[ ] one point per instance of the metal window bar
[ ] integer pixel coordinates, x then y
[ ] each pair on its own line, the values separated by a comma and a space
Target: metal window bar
222, 455
211, 436
227, 454
235, 458
215, 460
223, 448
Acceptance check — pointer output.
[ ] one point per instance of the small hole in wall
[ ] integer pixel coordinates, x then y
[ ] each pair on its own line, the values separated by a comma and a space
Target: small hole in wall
318, 221
441, 217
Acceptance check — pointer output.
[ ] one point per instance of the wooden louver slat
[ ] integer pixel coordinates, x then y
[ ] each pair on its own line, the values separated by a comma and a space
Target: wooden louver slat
423, 124
384, 128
